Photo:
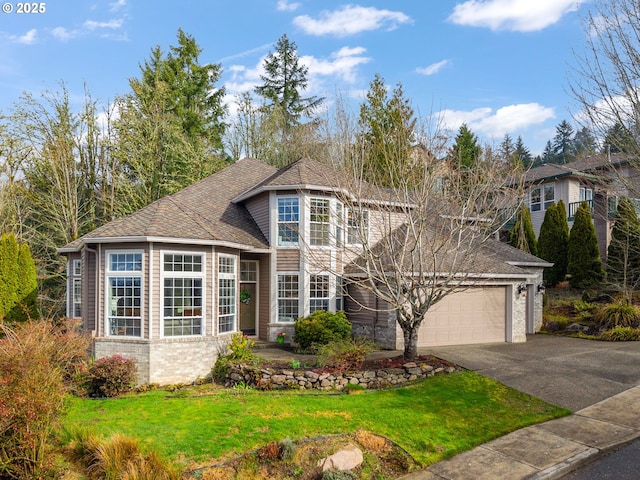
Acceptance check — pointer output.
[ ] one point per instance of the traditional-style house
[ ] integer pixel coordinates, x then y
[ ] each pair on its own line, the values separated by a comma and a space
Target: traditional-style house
251, 249
600, 180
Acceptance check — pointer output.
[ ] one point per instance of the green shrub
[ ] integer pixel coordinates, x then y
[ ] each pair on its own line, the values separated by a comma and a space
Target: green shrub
618, 314
320, 328
584, 310
241, 347
553, 242
583, 254
343, 355
339, 475
111, 376
621, 334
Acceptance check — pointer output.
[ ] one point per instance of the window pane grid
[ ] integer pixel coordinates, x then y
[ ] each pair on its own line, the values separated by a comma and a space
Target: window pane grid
357, 226
125, 262
182, 263
287, 298
125, 300
319, 222
77, 298
182, 306
248, 271
226, 294
288, 221
318, 292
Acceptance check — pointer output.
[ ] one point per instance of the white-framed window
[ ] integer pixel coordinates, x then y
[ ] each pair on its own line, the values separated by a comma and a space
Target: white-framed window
76, 268
586, 194
248, 271
76, 309
288, 221
535, 199
549, 195
357, 226
182, 294
318, 292
339, 224
340, 293
124, 293
227, 293
319, 225
288, 297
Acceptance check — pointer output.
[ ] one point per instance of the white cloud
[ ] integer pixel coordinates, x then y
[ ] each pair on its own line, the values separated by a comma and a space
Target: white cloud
494, 124
117, 5
341, 64
111, 24
350, 20
28, 38
62, 34
515, 15
286, 6
433, 68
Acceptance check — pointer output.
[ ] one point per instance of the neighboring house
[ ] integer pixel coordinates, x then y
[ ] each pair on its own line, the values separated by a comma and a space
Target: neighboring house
599, 180
250, 249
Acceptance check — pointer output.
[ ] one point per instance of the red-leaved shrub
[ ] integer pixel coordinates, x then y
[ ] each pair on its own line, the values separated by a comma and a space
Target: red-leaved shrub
111, 376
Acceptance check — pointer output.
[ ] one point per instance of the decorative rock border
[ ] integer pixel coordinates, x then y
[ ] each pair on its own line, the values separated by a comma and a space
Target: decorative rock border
283, 378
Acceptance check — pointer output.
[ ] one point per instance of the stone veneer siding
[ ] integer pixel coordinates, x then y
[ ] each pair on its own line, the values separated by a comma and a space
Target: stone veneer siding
166, 361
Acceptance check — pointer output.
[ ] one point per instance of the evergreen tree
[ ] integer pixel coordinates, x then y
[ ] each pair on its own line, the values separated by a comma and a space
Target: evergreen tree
18, 284
170, 127
466, 151
584, 142
553, 243
284, 80
547, 156
507, 149
387, 128
523, 154
583, 255
522, 235
623, 254
618, 139
564, 149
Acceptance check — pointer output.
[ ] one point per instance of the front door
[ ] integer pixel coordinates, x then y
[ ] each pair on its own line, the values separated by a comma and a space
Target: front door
248, 304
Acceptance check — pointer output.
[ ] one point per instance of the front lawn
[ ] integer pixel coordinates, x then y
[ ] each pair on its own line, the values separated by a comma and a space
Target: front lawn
431, 420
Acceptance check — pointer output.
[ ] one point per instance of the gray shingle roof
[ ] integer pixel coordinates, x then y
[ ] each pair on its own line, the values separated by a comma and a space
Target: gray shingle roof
202, 212
584, 167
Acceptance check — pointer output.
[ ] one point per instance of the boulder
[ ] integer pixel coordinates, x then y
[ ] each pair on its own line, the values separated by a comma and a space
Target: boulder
347, 458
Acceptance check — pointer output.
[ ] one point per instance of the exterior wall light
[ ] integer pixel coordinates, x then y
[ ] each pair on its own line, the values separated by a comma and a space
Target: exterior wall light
541, 288
522, 288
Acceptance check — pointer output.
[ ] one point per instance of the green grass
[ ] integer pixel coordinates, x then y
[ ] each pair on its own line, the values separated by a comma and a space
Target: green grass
431, 420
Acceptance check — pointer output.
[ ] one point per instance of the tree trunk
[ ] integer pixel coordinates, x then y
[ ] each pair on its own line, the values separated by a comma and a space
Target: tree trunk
410, 344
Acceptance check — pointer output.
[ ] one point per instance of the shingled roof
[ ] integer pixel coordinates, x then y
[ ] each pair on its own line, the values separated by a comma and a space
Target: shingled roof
202, 212
588, 167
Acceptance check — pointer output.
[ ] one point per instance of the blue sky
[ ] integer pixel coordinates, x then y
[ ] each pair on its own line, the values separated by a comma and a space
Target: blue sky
501, 66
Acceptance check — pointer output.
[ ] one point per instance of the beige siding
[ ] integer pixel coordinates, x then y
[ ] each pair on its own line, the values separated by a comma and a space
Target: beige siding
288, 260
258, 207
264, 293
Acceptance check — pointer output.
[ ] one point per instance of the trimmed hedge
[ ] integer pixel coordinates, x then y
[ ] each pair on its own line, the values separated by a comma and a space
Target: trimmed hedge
320, 328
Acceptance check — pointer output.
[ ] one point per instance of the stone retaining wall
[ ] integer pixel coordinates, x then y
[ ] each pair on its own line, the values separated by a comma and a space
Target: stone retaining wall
282, 378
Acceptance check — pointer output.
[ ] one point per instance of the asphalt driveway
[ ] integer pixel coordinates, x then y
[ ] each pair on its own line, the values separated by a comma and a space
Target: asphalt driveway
569, 372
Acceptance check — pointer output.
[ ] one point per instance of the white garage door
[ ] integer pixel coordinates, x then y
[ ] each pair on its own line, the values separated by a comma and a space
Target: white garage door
477, 315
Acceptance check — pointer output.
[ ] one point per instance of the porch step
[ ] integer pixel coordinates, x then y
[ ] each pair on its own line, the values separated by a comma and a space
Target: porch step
262, 344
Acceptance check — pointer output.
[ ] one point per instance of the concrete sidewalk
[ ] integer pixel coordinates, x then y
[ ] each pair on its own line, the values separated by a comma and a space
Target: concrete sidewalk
548, 450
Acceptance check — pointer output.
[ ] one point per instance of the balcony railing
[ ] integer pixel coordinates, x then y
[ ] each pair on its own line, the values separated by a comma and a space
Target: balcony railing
573, 208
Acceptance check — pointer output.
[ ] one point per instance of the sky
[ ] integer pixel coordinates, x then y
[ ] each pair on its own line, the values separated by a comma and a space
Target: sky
500, 66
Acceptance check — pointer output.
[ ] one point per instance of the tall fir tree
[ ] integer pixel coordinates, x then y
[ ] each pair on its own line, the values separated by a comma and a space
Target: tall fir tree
563, 145
387, 129
553, 242
584, 143
583, 255
522, 235
623, 254
523, 154
466, 150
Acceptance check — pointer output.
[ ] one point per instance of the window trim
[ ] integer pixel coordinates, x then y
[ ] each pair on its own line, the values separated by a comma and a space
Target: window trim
76, 302
354, 239
287, 224
323, 226
537, 206
279, 298
227, 276
165, 274
326, 299
548, 203
134, 274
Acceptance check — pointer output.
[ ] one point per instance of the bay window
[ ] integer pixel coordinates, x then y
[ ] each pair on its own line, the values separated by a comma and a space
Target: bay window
124, 294
182, 294
318, 292
288, 298
319, 222
288, 221
226, 293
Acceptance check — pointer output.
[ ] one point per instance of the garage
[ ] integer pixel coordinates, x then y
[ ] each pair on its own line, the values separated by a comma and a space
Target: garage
477, 315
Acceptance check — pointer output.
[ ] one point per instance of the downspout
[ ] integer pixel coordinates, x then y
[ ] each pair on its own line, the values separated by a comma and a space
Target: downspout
95, 286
